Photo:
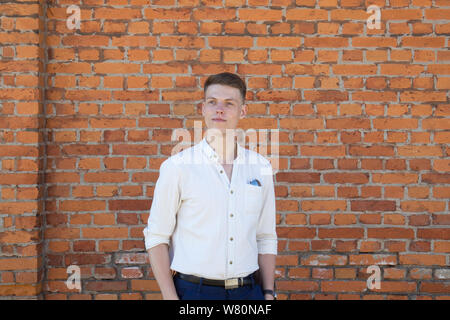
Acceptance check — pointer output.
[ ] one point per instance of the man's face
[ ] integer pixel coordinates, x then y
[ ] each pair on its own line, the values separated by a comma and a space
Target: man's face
223, 107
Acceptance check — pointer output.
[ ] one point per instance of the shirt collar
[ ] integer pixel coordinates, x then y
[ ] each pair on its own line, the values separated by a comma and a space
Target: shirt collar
213, 155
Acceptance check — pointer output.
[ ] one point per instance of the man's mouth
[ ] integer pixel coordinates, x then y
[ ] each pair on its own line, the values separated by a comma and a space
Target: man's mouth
218, 120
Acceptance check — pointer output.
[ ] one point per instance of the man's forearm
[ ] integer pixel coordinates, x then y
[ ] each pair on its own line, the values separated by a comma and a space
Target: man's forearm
160, 262
267, 270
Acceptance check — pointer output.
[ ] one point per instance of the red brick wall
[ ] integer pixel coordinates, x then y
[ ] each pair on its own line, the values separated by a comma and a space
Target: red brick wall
364, 138
22, 150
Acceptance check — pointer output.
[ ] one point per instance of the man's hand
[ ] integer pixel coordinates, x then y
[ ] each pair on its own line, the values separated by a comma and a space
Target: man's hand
171, 297
268, 296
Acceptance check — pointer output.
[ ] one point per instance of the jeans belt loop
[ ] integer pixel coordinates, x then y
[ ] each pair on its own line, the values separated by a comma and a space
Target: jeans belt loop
199, 287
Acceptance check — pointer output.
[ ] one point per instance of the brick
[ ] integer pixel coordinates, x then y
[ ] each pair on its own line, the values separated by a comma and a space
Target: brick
345, 246
132, 258
324, 260
86, 259
396, 286
345, 14
442, 273
299, 273
297, 285
320, 218
290, 232
105, 286
298, 245
144, 285
277, 42
350, 233
358, 178
435, 287
213, 14
323, 205
317, 245
370, 246
375, 205
441, 219
369, 259
437, 13
412, 96
401, 14
343, 286
260, 14
419, 220
322, 273
306, 14
374, 42
371, 218
20, 290
181, 41
19, 236
422, 246
113, 13
401, 69
108, 246
230, 42
422, 259
326, 42
420, 273
390, 233
19, 263
435, 233
105, 273
131, 273
345, 273
394, 273
105, 232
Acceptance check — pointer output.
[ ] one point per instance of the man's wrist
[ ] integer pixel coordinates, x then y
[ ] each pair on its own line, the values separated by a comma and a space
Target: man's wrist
271, 292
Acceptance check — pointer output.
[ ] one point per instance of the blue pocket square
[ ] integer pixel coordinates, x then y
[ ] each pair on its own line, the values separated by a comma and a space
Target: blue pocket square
255, 182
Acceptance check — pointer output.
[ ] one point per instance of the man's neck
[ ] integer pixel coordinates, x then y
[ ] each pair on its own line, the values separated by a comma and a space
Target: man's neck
227, 152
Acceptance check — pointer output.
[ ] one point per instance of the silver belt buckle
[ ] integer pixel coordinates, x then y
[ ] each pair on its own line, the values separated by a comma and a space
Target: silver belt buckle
232, 283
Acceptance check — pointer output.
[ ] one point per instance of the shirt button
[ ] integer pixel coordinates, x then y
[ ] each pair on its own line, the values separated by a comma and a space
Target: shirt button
221, 171
231, 215
231, 239
231, 191
231, 262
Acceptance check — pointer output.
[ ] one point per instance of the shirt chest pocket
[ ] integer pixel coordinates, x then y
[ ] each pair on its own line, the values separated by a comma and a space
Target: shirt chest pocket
253, 199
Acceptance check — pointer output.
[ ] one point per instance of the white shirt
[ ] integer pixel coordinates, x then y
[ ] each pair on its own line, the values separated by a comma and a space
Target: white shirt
215, 228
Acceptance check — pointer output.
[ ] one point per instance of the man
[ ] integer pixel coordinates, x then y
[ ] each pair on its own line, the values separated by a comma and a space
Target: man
212, 219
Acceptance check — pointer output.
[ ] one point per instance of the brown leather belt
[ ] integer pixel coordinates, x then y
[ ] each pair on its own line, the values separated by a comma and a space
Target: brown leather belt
227, 284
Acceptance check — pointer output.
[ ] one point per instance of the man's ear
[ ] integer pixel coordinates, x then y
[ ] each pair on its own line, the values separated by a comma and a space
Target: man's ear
203, 108
243, 111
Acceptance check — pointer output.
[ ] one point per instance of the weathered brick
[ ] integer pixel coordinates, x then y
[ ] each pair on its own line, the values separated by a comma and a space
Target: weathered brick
324, 260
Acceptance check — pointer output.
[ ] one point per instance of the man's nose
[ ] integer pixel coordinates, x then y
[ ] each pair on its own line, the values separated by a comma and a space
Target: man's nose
220, 107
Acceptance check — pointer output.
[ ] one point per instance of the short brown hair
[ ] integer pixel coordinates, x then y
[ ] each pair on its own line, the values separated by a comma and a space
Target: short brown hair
228, 79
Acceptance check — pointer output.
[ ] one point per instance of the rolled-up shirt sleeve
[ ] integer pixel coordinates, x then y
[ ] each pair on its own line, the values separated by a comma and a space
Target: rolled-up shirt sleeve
266, 236
165, 205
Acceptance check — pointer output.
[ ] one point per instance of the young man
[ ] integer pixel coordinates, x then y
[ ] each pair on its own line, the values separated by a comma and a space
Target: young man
212, 219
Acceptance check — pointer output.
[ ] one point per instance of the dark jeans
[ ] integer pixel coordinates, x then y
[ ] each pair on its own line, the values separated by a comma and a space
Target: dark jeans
197, 291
